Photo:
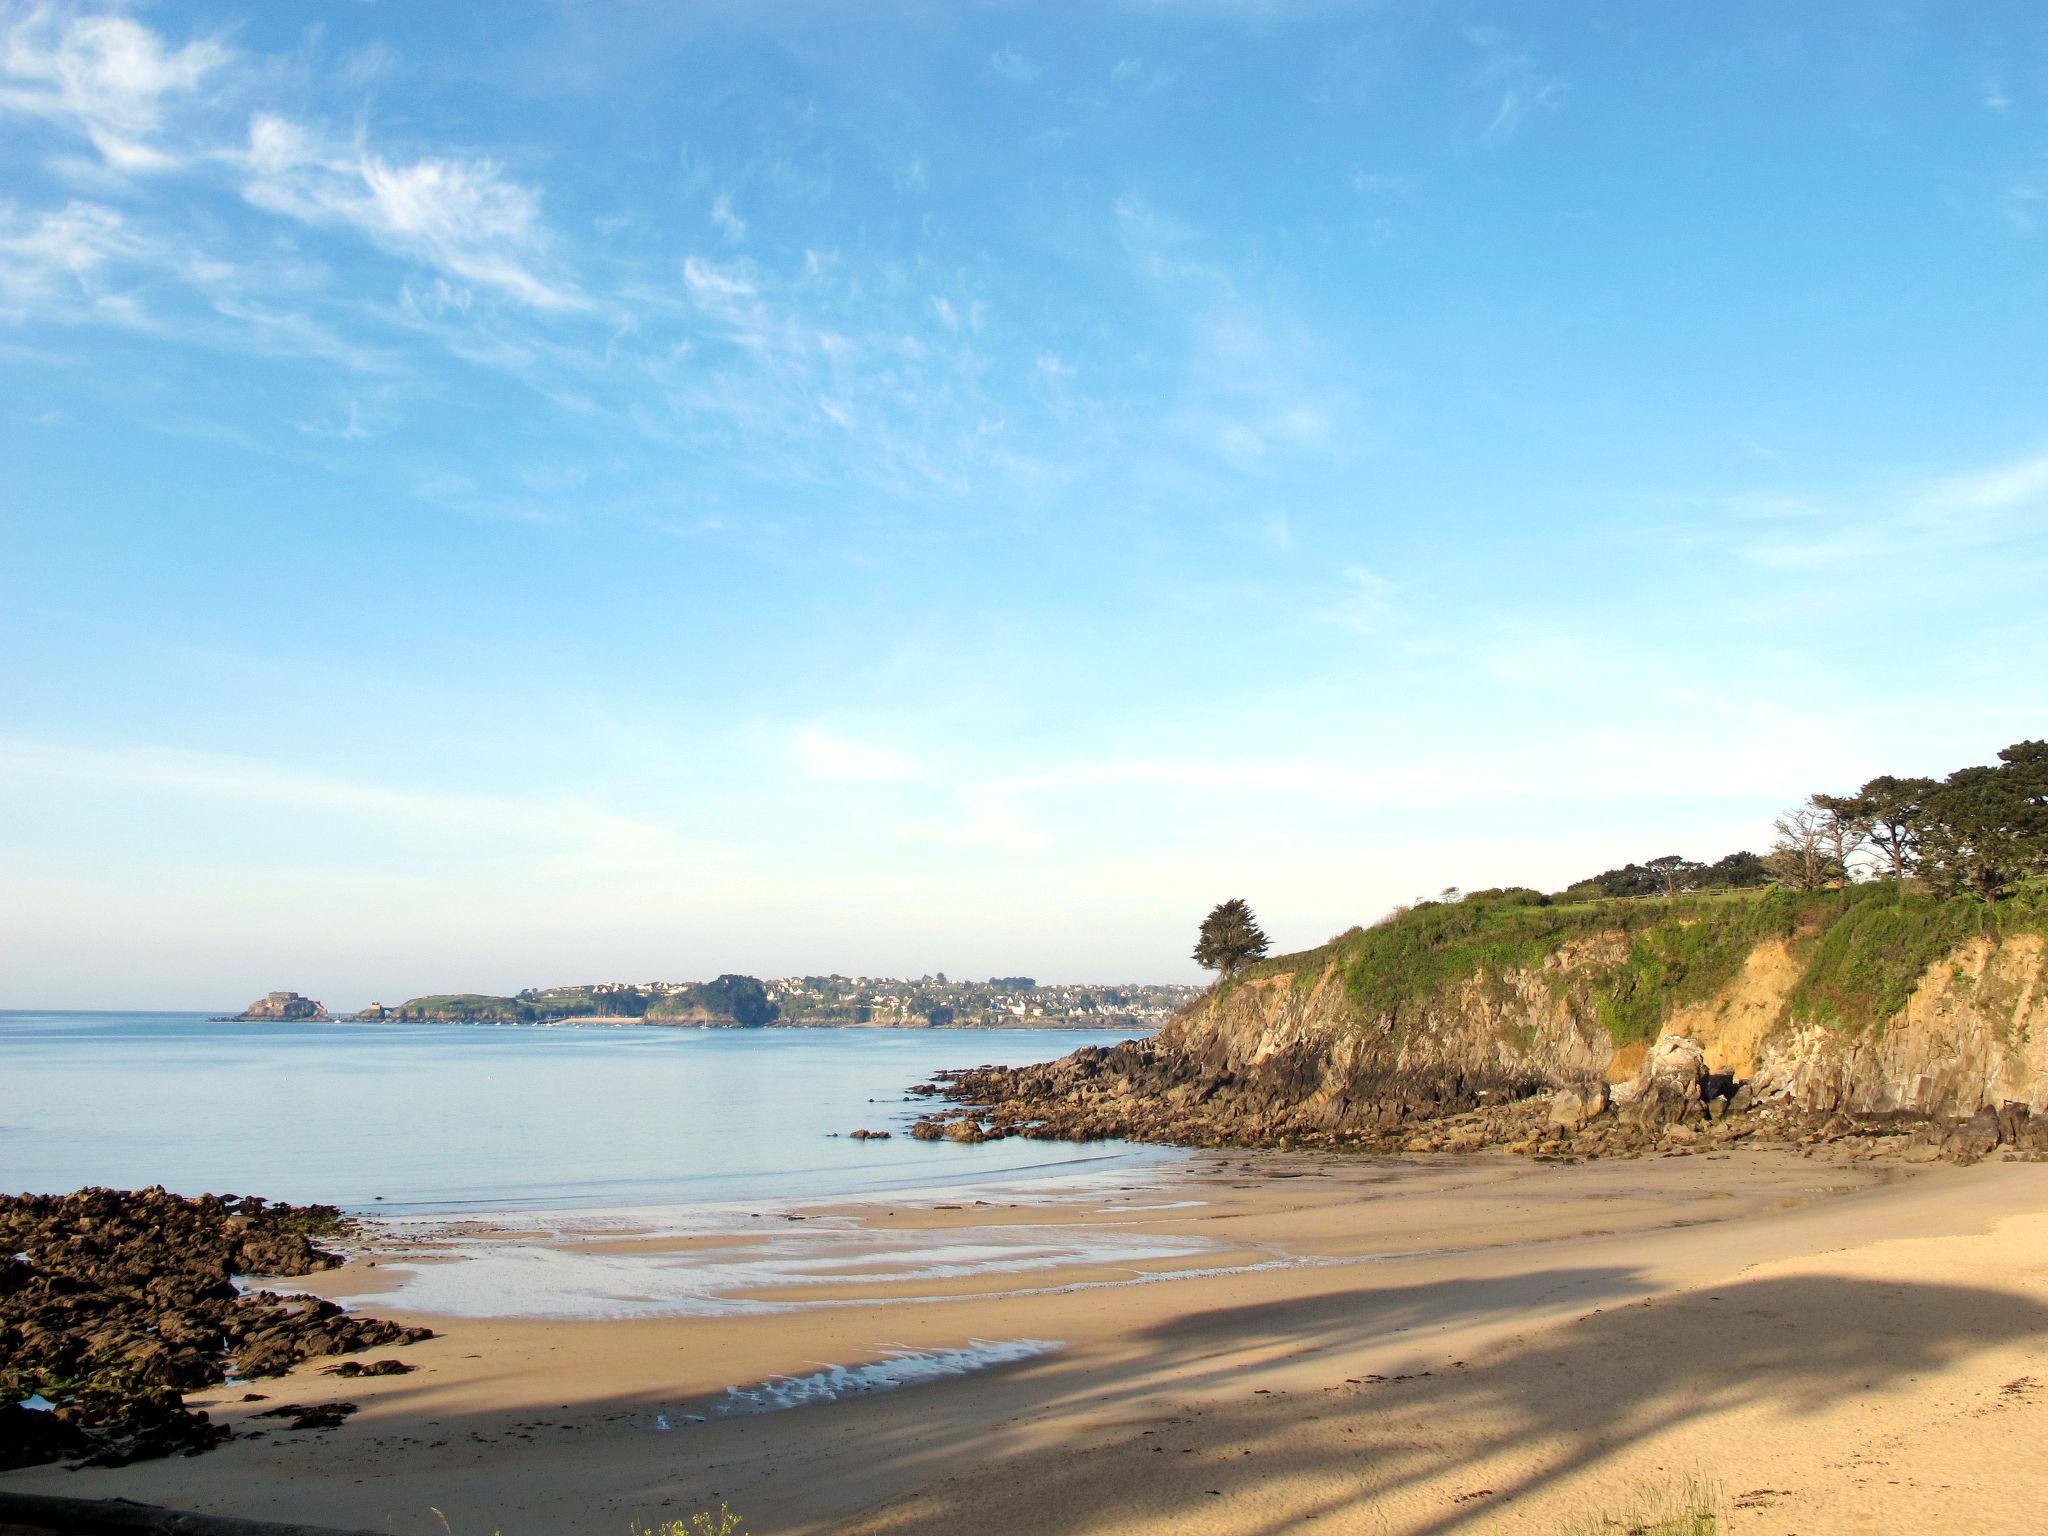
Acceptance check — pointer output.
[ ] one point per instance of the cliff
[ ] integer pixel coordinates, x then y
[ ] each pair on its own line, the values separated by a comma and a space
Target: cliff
1874, 1001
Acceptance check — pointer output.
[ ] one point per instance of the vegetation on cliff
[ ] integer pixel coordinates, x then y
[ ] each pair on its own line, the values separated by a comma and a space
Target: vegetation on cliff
1862, 949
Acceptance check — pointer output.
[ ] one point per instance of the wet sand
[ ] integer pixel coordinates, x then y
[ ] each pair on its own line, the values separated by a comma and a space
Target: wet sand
1340, 1344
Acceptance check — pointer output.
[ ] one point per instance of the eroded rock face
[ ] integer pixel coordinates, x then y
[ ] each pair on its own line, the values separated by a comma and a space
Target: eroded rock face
1973, 1035
118, 1302
283, 1005
1504, 1061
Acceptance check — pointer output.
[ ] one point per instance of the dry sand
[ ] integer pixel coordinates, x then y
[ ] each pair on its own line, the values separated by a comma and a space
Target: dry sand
1401, 1346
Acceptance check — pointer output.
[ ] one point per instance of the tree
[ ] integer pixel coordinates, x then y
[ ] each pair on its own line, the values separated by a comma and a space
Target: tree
1675, 873
2025, 772
1888, 811
1844, 830
1229, 938
1800, 858
1984, 828
1736, 871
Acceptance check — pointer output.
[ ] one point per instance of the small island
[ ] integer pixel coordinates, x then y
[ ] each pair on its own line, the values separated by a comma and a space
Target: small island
274, 1006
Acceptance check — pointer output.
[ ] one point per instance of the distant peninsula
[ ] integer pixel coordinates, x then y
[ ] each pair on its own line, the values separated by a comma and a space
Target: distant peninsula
747, 1002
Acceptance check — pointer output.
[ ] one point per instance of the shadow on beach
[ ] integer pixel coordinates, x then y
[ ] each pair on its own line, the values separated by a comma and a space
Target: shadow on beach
1558, 1404
1175, 1438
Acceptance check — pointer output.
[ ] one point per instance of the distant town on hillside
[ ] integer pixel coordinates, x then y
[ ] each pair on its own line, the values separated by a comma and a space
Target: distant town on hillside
875, 1002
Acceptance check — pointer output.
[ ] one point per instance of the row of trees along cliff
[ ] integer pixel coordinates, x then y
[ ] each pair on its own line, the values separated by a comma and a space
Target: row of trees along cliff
1979, 832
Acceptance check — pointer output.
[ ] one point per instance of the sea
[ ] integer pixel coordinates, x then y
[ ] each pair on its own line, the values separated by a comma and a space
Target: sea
446, 1119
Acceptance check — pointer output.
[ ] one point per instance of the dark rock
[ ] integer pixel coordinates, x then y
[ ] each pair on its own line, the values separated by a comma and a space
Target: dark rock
374, 1368
1975, 1137
2014, 1121
29, 1436
310, 1415
126, 1300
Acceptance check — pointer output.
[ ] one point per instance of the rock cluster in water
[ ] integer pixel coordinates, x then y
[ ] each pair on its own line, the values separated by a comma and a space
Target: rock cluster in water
1151, 1091
115, 1303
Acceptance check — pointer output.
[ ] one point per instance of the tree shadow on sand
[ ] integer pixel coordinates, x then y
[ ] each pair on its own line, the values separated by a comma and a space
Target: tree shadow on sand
1561, 1401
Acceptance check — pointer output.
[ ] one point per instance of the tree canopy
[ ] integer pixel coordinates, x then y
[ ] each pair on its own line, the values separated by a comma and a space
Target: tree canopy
1981, 829
1229, 939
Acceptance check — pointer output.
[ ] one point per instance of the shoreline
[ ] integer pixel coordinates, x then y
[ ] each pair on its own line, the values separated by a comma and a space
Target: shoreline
1421, 1271
1133, 1031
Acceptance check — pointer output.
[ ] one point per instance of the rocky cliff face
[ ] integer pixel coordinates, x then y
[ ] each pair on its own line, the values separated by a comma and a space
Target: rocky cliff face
1974, 1033
1815, 1005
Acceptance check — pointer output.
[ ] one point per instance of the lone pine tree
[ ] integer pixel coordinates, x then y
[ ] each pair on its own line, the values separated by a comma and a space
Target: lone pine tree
1230, 938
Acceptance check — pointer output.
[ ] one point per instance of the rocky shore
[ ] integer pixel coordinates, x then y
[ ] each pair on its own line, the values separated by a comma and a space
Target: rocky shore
115, 1303
1908, 1024
1158, 1091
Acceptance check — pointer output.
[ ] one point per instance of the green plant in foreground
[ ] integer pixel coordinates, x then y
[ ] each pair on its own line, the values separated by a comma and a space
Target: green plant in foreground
1693, 1509
703, 1523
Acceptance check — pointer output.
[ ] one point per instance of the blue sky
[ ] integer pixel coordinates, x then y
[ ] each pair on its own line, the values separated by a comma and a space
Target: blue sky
501, 495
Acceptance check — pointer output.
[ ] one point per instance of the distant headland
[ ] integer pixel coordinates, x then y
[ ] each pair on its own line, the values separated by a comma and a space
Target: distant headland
746, 1002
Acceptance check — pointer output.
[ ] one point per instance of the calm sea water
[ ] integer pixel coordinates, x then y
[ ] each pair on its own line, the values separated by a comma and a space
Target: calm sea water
437, 1117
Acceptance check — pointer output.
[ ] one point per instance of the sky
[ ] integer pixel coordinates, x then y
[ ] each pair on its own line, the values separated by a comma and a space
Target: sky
518, 494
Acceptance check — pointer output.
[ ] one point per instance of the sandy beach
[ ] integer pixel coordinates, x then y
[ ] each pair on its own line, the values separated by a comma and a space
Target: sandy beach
1251, 1343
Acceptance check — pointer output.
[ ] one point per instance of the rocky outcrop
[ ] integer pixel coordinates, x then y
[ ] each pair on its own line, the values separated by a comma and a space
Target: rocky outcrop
283, 1005
116, 1303
1321, 1049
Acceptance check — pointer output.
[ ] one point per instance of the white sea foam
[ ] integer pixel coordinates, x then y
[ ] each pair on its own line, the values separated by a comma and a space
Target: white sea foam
896, 1368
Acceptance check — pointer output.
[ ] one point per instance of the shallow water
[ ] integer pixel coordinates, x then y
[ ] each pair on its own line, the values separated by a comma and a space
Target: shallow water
714, 1260
393, 1118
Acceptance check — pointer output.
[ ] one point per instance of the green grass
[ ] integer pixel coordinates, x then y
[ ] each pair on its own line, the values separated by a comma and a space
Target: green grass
1691, 1509
704, 1523
1882, 939
1863, 950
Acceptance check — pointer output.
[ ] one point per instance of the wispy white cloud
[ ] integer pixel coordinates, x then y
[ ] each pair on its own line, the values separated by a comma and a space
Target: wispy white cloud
728, 223
1137, 74
1255, 388
1015, 67
59, 257
827, 755
1381, 184
107, 78
233, 780
462, 216
1365, 604
1899, 530
2021, 483
1514, 81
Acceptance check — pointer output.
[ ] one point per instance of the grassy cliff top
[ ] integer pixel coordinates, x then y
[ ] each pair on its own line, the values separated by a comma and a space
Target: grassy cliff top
1864, 949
